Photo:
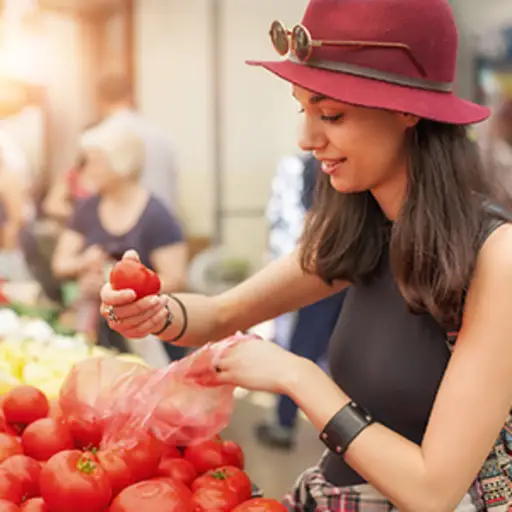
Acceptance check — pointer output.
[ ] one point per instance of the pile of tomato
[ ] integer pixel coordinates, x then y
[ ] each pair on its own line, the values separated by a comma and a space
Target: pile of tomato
48, 464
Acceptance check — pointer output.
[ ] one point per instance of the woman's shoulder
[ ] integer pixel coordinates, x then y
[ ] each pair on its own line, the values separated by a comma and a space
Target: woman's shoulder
157, 208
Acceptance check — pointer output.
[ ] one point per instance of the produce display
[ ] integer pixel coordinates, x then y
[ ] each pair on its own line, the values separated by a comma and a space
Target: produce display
84, 430
44, 467
32, 353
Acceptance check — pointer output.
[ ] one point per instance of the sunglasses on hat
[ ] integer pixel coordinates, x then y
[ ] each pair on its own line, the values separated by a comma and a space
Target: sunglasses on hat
300, 44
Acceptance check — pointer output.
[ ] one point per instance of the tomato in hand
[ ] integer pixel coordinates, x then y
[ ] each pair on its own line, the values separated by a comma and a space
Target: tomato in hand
27, 471
10, 487
25, 404
8, 506
74, 481
9, 446
44, 438
260, 505
153, 495
207, 499
180, 470
35, 505
226, 477
133, 275
211, 454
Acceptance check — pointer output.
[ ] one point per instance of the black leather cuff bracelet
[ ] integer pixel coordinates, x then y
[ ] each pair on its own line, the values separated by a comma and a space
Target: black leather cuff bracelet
344, 427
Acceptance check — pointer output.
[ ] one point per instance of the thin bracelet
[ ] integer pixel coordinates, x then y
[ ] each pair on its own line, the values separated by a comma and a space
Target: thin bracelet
185, 319
168, 321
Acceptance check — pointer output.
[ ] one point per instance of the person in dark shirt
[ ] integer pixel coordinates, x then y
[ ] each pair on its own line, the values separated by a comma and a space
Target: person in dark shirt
121, 216
416, 411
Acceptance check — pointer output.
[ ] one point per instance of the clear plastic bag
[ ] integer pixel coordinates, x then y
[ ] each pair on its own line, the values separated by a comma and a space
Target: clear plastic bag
82, 394
179, 404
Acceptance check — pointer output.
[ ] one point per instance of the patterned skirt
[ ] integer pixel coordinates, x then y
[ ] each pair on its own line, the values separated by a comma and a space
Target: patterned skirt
313, 493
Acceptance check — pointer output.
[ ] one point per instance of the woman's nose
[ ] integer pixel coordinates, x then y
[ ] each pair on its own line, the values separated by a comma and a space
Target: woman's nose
311, 136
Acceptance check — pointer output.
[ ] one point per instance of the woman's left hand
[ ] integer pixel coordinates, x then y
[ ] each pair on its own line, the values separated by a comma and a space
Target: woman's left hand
258, 365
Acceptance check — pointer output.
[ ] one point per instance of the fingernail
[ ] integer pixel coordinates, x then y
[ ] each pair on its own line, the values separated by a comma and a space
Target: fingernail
154, 301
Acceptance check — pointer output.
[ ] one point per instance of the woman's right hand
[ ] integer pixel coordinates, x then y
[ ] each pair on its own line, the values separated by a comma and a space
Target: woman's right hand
131, 317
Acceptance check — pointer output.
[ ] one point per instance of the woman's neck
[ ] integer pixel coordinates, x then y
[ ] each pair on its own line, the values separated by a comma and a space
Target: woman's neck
123, 194
391, 195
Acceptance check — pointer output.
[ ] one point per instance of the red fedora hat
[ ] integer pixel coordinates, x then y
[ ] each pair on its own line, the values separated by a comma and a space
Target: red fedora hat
398, 55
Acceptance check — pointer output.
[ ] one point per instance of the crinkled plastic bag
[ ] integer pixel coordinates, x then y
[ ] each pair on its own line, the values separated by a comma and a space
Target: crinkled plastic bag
179, 404
85, 388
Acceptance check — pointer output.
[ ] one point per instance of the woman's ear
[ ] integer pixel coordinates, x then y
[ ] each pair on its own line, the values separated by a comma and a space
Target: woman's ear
409, 120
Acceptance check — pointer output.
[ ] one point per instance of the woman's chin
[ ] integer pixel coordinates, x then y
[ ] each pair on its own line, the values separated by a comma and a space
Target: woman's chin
344, 186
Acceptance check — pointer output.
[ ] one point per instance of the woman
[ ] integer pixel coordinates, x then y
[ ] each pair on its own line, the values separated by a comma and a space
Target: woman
123, 215
404, 215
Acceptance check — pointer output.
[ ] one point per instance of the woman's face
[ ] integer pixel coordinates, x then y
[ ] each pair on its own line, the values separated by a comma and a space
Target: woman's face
98, 171
360, 148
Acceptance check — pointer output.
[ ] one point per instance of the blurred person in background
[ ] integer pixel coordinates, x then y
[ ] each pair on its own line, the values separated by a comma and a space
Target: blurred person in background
17, 208
68, 190
495, 140
159, 173
305, 332
122, 215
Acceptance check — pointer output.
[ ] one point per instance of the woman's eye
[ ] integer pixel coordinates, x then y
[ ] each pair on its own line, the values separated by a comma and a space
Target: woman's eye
332, 119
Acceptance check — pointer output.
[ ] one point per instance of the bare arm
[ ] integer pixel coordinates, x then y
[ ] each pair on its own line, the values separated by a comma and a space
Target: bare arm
67, 262
56, 203
276, 289
470, 409
279, 287
170, 263
13, 198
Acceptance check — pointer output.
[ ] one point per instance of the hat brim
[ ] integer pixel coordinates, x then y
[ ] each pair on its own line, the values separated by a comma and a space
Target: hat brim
366, 92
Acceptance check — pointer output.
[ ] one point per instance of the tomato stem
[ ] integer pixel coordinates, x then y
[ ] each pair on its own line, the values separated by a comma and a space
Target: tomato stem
85, 465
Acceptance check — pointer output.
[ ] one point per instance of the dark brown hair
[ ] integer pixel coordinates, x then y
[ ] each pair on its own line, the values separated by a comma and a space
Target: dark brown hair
434, 242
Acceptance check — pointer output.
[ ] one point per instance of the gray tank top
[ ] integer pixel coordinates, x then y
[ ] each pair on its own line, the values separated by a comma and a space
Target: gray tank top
388, 359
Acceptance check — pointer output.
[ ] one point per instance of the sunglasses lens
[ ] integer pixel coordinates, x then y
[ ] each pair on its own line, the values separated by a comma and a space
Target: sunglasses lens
301, 43
279, 38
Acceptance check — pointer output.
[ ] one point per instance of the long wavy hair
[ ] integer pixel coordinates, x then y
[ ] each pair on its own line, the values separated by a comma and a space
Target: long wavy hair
432, 244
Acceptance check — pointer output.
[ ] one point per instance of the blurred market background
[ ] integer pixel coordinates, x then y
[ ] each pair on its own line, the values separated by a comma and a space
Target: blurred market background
178, 67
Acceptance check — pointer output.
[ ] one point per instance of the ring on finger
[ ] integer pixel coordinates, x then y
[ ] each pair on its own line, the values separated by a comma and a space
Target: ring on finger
112, 315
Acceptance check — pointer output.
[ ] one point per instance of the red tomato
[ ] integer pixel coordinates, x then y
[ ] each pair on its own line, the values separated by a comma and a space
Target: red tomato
227, 476
4, 425
209, 499
143, 459
171, 452
25, 404
154, 495
8, 506
74, 481
35, 505
44, 438
130, 274
87, 434
211, 454
10, 487
27, 471
178, 469
260, 505
233, 454
117, 470
9, 446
